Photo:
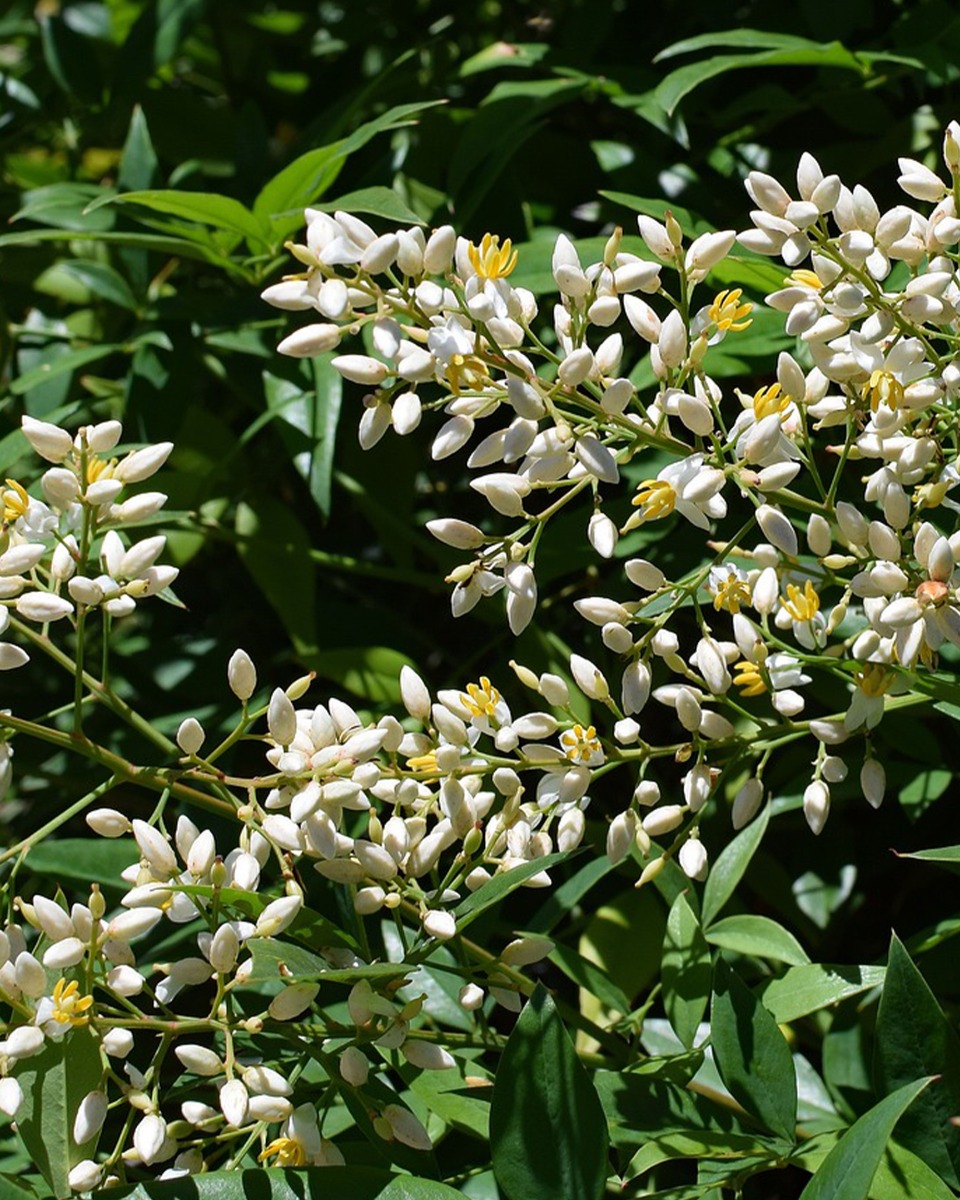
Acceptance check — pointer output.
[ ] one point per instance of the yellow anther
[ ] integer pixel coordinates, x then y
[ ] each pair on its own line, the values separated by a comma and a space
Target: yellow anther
579, 744
801, 605
423, 763
490, 260
804, 278
883, 388
656, 497
15, 501
100, 468
727, 313
874, 679
930, 495
289, 1152
481, 699
731, 594
69, 1006
770, 400
466, 372
749, 679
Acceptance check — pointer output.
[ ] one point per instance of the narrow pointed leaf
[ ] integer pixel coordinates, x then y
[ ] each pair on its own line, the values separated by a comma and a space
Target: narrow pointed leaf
547, 1128
686, 971
730, 866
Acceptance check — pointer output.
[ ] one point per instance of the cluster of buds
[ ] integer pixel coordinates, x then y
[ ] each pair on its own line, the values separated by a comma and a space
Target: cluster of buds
810, 573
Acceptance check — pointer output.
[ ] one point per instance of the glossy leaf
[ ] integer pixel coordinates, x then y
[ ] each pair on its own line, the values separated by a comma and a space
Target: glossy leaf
913, 1039
273, 960
318, 1183
53, 1083
759, 936
686, 971
501, 885
541, 1085
752, 1055
730, 866
206, 208
849, 1168
803, 990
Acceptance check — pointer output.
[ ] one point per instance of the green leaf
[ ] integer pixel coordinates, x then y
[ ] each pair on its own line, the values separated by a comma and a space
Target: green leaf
501, 885
271, 538
914, 1039
138, 163
372, 672
947, 854
542, 1087
759, 936
70, 61
803, 990
62, 364
317, 1183
849, 1168
642, 1107
752, 1055
99, 279
754, 39
54, 1082
924, 788
565, 897
730, 866
685, 971
157, 34
81, 859
377, 201
206, 208
681, 82
590, 977
328, 396
301, 966
900, 1174
302, 182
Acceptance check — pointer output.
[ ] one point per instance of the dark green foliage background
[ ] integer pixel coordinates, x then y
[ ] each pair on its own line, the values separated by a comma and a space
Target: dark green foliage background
310, 553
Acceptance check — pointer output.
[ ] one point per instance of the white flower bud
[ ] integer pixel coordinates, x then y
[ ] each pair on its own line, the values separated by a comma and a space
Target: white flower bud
155, 848
24, 1041
354, 1066
125, 980
414, 694
440, 925
461, 535
688, 709
278, 915
746, 803
292, 1001
30, 976
428, 1056
777, 529
223, 950
873, 781
853, 524
234, 1102
818, 535
85, 1176
11, 1096
602, 534
693, 859
199, 1059
620, 835
117, 1042
190, 736
43, 607
359, 368
672, 342
281, 718
241, 675
406, 1128
635, 687
570, 829
554, 690
141, 464
64, 954
470, 997
589, 678
91, 1113
148, 1137
663, 819
49, 441
816, 804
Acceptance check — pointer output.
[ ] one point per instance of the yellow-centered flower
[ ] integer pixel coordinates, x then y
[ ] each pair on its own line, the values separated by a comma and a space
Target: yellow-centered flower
656, 497
466, 373
802, 606
731, 594
100, 468
69, 1006
874, 679
423, 762
480, 700
490, 260
727, 313
749, 679
883, 388
15, 501
581, 745
770, 400
289, 1152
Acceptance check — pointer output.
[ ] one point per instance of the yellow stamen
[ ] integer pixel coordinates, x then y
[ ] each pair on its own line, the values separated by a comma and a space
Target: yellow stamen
490, 260
289, 1152
731, 594
15, 502
727, 313
466, 372
69, 1006
656, 497
748, 679
770, 400
804, 278
481, 699
423, 762
580, 744
100, 468
874, 679
802, 606
883, 388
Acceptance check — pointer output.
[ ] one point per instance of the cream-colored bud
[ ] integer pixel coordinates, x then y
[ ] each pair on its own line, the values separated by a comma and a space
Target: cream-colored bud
241, 675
